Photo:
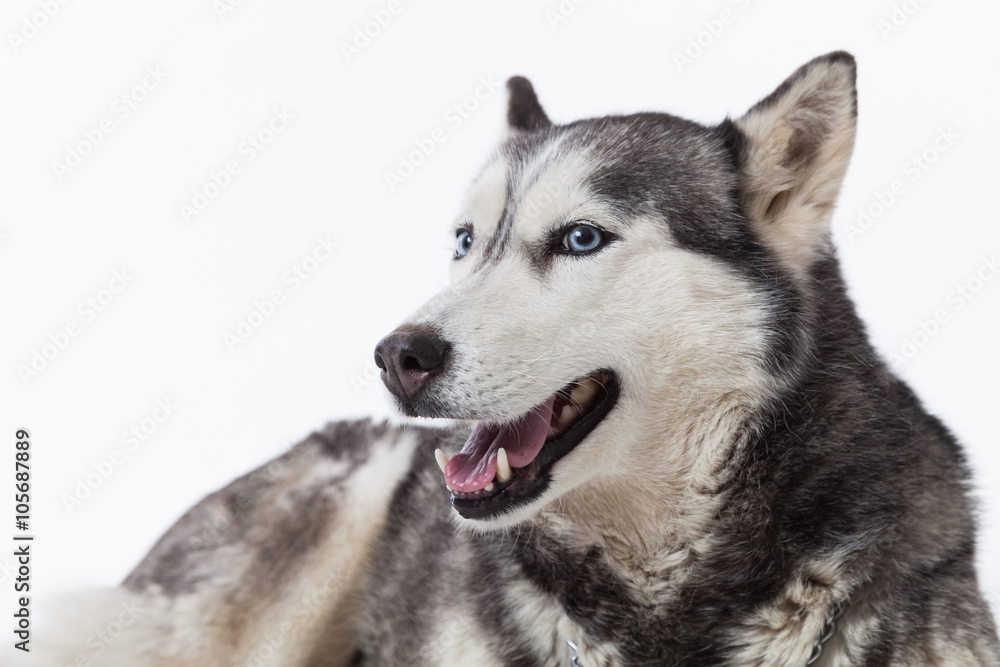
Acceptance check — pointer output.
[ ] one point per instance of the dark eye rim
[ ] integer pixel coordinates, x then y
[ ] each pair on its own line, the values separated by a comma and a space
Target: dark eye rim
555, 246
458, 232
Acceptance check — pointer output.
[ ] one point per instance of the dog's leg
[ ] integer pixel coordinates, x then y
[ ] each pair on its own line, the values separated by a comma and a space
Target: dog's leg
265, 572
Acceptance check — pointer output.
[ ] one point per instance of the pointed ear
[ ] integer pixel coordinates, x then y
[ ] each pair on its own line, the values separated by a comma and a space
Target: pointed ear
524, 113
798, 141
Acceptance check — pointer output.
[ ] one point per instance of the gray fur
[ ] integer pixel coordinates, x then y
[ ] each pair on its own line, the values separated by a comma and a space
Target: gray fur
833, 485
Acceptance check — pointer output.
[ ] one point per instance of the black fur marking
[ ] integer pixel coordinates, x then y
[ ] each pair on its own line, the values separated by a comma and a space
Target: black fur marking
517, 154
497, 618
350, 440
410, 561
841, 58
688, 175
500, 241
524, 113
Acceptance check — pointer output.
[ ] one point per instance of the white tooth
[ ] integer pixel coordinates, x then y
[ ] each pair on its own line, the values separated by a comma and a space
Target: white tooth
568, 414
503, 467
583, 392
442, 459
489, 487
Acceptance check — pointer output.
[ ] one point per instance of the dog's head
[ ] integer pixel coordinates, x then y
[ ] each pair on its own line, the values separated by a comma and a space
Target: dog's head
623, 289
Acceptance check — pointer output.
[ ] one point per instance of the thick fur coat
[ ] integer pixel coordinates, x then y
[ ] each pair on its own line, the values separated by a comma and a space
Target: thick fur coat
748, 468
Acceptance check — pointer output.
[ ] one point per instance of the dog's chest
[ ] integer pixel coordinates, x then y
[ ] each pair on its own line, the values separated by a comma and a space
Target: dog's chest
456, 641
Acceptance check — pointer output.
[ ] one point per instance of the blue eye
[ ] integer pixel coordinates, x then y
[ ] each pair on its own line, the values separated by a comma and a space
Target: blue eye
463, 243
582, 238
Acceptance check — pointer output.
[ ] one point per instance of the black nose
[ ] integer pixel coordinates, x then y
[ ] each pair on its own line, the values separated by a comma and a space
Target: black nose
408, 357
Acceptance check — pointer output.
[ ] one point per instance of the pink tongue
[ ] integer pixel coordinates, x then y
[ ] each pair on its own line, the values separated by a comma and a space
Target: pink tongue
476, 465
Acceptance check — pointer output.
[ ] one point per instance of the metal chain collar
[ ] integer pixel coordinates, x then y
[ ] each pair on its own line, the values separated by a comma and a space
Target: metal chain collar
573, 651
829, 629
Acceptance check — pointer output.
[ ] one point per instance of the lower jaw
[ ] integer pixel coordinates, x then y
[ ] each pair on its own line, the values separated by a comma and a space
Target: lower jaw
528, 483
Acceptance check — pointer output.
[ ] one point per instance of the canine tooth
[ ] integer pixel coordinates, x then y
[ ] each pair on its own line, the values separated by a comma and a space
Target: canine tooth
442, 459
503, 467
568, 414
489, 487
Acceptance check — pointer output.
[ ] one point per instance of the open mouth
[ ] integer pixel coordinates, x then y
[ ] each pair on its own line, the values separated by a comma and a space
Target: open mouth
503, 466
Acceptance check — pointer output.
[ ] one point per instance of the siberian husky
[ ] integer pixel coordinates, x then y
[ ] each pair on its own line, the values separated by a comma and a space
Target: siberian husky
679, 447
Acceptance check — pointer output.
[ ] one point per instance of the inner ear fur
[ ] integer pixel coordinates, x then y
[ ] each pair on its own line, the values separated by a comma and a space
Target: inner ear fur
798, 143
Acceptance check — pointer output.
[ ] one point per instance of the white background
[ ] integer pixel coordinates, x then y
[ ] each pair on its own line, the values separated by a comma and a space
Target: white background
162, 337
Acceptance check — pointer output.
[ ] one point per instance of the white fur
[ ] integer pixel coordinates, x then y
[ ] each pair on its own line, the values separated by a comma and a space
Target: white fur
784, 632
681, 330
549, 629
